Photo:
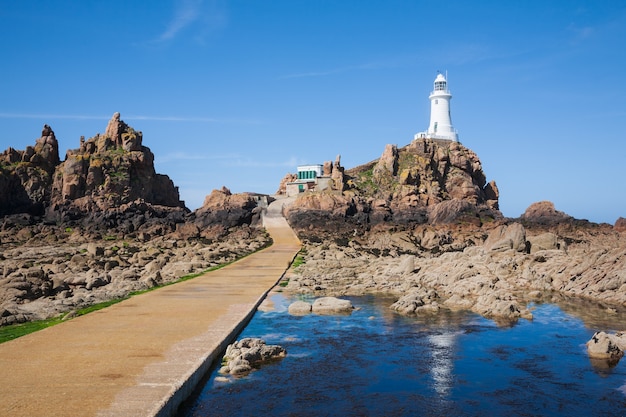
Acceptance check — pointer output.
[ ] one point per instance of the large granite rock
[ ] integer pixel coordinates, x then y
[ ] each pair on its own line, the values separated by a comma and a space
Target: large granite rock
227, 209
107, 171
426, 182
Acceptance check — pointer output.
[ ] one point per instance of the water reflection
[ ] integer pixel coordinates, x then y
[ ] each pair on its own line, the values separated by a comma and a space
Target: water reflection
376, 362
443, 360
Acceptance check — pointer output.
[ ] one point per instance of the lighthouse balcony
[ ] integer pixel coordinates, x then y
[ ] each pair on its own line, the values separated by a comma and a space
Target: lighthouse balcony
452, 136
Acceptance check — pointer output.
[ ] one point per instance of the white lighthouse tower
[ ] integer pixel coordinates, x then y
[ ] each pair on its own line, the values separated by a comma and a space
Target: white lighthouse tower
440, 122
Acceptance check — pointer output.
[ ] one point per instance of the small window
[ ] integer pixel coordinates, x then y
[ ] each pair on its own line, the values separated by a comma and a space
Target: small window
436, 101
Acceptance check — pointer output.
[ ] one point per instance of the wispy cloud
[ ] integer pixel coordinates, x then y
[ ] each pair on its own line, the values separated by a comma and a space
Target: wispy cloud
200, 119
203, 15
185, 13
51, 116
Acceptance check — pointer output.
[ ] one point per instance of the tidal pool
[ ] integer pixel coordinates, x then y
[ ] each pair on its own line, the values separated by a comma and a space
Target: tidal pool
375, 362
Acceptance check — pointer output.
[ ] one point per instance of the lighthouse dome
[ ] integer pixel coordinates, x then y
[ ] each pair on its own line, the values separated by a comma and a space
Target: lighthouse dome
440, 83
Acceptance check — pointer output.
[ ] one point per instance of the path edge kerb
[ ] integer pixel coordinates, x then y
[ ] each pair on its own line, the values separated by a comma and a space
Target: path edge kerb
169, 406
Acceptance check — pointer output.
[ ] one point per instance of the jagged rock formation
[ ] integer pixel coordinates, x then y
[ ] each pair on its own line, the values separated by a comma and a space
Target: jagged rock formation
107, 171
26, 176
428, 181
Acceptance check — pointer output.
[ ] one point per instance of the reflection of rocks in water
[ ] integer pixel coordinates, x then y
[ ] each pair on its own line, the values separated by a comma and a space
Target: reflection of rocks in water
593, 313
604, 367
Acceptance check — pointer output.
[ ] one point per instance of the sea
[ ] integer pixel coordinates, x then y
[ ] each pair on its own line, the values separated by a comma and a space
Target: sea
376, 362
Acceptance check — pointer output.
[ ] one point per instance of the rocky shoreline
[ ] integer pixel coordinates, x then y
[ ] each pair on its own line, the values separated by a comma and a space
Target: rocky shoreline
494, 272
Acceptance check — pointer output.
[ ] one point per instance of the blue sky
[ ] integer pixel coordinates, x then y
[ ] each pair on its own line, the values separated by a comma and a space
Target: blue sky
240, 92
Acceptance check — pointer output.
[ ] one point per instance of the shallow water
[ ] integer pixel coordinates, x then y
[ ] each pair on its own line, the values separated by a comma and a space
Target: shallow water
377, 363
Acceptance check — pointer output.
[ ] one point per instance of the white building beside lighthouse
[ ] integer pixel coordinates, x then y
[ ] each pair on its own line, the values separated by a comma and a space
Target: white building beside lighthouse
440, 126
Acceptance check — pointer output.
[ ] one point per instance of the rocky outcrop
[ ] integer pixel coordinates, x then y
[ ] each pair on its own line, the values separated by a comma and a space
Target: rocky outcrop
26, 176
282, 187
243, 355
620, 225
107, 171
227, 209
426, 182
544, 213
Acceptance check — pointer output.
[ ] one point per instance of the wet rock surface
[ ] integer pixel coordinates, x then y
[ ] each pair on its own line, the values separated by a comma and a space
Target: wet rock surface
494, 271
607, 347
323, 306
242, 356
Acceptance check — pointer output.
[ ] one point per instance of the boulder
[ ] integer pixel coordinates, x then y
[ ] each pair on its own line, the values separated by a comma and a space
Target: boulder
607, 346
505, 237
544, 241
331, 305
241, 356
419, 300
299, 308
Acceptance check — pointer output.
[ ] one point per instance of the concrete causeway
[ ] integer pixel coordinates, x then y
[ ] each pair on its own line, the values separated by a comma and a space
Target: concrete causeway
145, 355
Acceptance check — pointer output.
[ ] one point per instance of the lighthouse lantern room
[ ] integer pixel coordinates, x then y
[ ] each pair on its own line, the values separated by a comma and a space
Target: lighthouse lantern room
440, 126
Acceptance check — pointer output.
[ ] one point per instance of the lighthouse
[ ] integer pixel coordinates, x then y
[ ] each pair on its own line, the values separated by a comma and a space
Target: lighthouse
440, 126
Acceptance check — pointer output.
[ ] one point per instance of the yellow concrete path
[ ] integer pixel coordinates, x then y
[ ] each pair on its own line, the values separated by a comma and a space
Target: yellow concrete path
143, 356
